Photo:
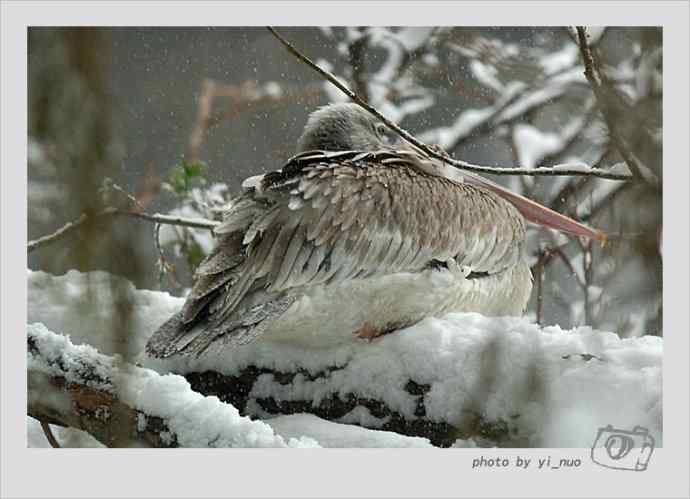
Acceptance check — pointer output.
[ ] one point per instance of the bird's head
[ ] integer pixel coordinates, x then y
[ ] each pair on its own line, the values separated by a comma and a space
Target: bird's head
344, 126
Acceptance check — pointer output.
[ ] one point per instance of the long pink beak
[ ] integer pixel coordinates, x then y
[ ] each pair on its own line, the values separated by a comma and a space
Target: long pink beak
535, 212
531, 210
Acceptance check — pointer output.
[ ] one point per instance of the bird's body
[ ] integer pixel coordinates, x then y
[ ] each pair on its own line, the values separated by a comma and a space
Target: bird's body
329, 315
351, 242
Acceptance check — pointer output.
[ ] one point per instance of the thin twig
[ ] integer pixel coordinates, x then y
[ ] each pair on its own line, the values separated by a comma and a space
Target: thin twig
162, 262
108, 212
164, 266
639, 170
566, 261
587, 270
49, 435
463, 165
194, 223
58, 234
109, 185
538, 271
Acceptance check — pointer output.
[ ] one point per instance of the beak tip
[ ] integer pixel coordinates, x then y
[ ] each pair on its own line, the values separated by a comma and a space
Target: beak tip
602, 237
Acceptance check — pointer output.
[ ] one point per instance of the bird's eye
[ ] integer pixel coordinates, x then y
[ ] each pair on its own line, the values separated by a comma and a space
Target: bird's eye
381, 129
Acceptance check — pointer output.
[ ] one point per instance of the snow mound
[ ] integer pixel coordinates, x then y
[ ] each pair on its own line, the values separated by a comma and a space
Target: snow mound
552, 387
80, 305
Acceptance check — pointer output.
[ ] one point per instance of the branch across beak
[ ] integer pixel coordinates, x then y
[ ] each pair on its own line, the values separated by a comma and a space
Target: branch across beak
535, 212
531, 210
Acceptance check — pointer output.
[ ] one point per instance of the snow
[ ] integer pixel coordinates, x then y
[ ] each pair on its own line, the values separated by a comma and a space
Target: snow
171, 397
331, 91
413, 38
293, 426
65, 305
649, 79
620, 168
387, 79
354, 34
471, 119
463, 126
561, 60
486, 74
531, 100
45, 194
202, 203
576, 166
167, 396
66, 437
594, 33
362, 415
602, 188
330, 434
505, 369
533, 145
273, 89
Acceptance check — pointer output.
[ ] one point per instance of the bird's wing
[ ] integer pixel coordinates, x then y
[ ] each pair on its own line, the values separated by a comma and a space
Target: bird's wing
335, 217
326, 218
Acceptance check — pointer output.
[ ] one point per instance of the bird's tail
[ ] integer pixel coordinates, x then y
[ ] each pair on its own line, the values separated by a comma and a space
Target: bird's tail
176, 337
162, 343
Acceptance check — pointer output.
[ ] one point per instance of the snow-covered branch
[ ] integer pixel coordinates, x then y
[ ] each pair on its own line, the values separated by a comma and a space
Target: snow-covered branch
70, 227
124, 405
566, 169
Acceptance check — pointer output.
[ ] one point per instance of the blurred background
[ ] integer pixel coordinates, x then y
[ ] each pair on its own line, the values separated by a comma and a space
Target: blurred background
171, 120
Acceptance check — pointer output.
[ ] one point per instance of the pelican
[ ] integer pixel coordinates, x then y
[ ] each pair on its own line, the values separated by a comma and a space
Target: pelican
355, 237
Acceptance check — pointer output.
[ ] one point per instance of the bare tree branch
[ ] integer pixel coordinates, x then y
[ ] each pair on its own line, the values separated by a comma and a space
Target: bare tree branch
70, 227
463, 165
49, 435
203, 117
639, 170
242, 98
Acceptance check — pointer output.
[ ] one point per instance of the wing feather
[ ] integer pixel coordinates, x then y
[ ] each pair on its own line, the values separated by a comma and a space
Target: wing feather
290, 259
366, 218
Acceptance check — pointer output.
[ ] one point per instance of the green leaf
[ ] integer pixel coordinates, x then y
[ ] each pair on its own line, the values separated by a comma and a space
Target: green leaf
183, 175
178, 180
194, 169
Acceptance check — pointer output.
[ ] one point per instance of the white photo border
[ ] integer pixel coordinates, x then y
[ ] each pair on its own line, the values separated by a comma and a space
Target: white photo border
347, 472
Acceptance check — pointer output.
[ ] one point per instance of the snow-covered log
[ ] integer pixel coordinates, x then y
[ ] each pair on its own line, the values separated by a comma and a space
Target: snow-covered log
492, 381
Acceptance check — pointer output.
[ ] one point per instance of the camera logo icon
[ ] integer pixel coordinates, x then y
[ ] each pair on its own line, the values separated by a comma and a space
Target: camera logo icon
622, 449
